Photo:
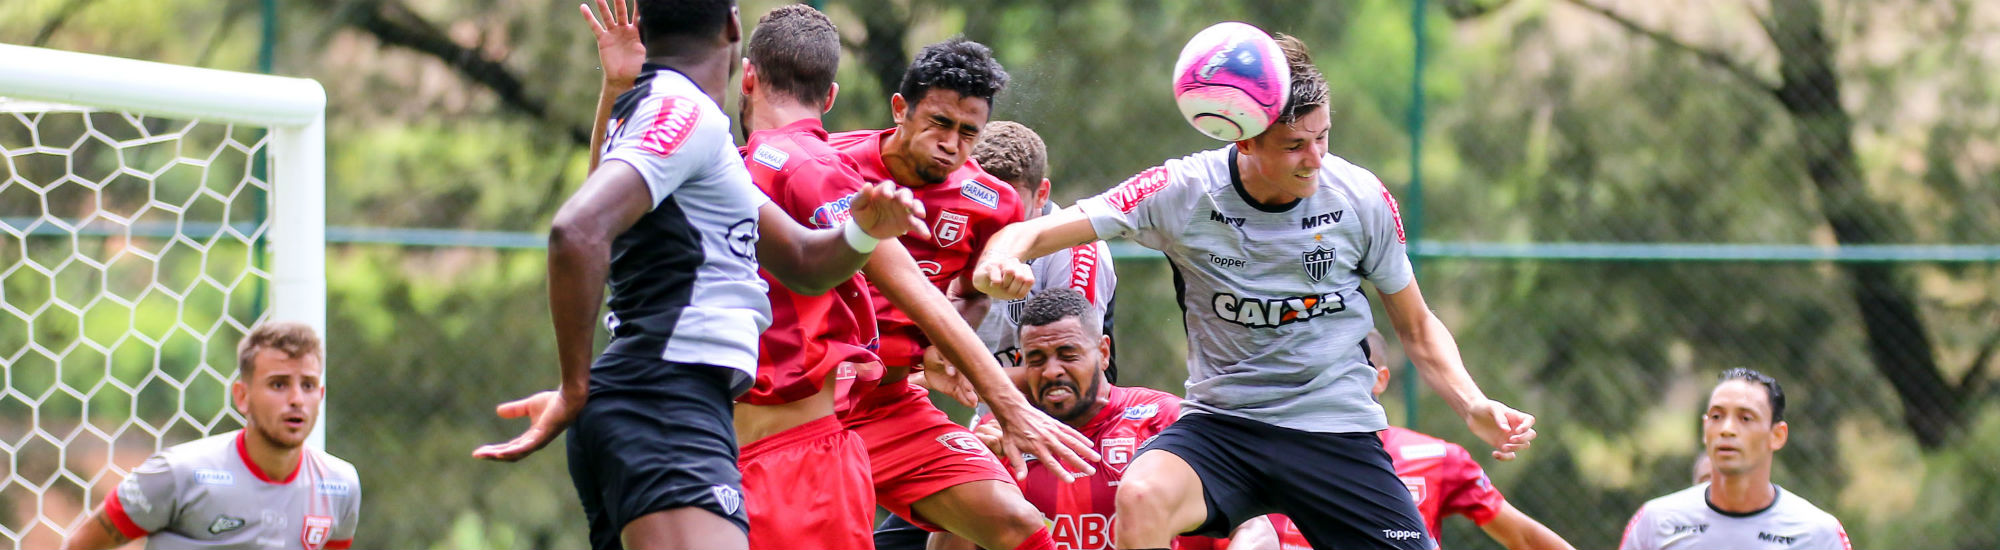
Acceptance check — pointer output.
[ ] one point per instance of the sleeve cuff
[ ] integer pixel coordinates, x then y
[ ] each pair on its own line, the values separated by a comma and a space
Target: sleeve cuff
339, 544
114, 509
1103, 218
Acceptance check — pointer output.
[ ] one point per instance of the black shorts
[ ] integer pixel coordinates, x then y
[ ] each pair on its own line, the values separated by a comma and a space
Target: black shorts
655, 435
1340, 488
896, 533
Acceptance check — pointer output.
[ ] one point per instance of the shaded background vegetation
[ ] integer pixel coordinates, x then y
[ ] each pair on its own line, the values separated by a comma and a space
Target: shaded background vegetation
1621, 124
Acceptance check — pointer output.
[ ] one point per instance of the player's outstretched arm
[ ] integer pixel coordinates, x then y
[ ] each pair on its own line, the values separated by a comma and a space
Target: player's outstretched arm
1023, 428
1003, 271
98, 533
812, 261
1513, 529
611, 201
1432, 348
620, 54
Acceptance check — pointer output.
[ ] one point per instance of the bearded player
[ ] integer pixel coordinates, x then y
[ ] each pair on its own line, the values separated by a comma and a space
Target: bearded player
1272, 237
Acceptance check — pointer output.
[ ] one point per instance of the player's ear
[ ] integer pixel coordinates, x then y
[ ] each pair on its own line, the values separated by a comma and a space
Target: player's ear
1042, 192
896, 106
239, 393
749, 77
1780, 432
1103, 342
831, 93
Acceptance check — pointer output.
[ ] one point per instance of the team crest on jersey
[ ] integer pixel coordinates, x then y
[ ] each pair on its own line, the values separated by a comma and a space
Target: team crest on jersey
670, 129
318, 530
1127, 196
1317, 262
1417, 486
771, 156
930, 268
1014, 308
962, 442
727, 497
1118, 452
832, 214
978, 192
950, 228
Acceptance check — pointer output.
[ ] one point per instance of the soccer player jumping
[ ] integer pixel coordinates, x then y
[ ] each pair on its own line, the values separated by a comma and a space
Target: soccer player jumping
1271, 238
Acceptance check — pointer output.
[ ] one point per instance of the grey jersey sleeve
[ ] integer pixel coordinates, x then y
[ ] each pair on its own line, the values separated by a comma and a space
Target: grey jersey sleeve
344, 530
669, 140
1828, 534
148, 496
1151, 208
1639, 533
1386, 262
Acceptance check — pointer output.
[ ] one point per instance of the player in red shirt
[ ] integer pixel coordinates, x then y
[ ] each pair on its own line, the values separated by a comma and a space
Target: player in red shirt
927, 469
1065, 355
1442, 477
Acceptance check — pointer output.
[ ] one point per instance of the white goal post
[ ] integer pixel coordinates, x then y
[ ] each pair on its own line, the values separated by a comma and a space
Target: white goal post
84, 140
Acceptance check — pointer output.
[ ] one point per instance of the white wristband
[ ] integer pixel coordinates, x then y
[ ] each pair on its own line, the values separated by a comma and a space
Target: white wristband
857, 239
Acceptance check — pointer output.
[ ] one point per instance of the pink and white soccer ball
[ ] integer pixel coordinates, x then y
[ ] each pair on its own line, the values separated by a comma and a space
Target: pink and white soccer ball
1231, 81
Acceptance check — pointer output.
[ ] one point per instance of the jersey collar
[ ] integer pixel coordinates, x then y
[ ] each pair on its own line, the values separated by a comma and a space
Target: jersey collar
1236, 181
243, 452
1776, 494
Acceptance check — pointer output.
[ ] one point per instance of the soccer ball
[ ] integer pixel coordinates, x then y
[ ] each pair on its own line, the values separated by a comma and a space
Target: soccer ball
1231, 81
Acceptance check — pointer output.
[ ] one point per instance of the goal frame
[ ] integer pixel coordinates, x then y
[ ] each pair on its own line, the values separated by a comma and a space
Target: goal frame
292, 109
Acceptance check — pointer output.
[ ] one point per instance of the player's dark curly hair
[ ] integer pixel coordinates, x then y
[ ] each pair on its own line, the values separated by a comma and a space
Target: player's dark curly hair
1771, 388
1055, 304
797, 52
1308, 85
1013, 153
682, 18
958, 65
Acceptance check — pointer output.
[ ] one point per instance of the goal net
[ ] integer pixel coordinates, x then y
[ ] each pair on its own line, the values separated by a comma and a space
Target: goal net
149, 215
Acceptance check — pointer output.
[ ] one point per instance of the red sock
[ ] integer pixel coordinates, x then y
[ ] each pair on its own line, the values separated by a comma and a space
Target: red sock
1038, 541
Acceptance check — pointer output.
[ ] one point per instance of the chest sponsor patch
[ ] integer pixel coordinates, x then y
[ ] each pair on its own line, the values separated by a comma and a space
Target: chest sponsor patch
978, 192
1142, 412
334, 488
950, 229
206, 476
772, 157
1421, 451
671, 127
224, 524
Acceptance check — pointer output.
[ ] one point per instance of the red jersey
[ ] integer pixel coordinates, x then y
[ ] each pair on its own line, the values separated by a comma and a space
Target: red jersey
1442, 477
809, 335
962, 213
1080, 512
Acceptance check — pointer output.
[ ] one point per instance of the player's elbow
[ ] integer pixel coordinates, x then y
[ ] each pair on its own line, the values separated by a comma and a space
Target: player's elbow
571, 233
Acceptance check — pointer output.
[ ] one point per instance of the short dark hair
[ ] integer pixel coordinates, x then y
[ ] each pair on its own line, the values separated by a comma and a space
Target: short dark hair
682, 18
292, 338
1012, 152
958, 65
797, 52
1055, 304
1771, 388
1308, 85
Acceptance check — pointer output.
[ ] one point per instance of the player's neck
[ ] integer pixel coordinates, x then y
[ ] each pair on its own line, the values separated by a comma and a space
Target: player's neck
708, 67
896, 157
771, 114
1263, 193
1741, 494
275, 461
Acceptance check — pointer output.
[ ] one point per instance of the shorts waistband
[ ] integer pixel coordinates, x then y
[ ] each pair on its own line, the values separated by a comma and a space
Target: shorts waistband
797, 435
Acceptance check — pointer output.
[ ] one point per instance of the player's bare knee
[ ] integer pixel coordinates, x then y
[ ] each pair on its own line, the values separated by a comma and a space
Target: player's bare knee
1144, 501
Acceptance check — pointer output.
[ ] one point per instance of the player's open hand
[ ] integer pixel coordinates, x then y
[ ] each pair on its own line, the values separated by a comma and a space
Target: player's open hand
550, 412
886, 211
940, 376
618, 47
1026, 430
1003, 278
1507, 430
988, 433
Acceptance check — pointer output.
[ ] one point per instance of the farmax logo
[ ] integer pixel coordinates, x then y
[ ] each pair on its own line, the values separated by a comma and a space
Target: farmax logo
207, 476
1276, 312
978, 192
771, 157
1142, 412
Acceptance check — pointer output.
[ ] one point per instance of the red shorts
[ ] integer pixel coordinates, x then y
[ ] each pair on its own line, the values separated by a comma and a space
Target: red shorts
809, 487
915, 450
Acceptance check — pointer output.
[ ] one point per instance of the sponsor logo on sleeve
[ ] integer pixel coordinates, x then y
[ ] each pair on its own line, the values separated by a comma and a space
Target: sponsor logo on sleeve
1276, 312
224, 524
671, 128
1127, 196
1317, 262
318, 530
1394, 213
207, 476
1083, 271
976, 191
772, 157
833, 213
743, 239
950, 228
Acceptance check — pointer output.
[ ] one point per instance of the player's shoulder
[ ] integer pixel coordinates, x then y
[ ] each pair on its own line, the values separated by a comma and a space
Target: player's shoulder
335, 466
1345, 177
1146, 403
1685, 501
1798, 509
204, 452
854, 139
672, 113
1207, 171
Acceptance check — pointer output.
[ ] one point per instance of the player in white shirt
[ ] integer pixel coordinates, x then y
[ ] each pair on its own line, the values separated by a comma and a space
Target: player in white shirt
255, 488
1270, 239
1738, 507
